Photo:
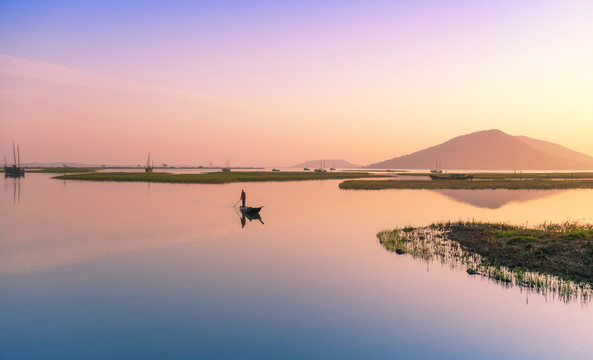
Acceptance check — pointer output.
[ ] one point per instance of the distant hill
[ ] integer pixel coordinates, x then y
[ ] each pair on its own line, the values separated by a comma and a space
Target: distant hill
330, 163
58, 164
492, 150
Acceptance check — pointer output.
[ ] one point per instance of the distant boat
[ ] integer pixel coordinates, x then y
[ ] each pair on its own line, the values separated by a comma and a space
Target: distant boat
307, 168
451, 176
275, 169
321, 167
14, 170
227, 168
437, 170
149, 167
332, 169
250, 210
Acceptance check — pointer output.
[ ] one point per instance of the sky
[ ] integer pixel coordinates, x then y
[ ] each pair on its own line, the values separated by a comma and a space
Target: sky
272, 83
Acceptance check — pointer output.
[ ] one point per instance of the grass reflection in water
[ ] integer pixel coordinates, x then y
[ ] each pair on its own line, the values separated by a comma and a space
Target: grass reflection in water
552, 259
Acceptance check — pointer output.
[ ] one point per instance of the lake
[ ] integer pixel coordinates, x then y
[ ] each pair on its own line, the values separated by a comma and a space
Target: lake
101, 270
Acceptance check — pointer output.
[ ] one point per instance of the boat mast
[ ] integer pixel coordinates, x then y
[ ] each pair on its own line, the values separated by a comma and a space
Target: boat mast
18, 148
13, 153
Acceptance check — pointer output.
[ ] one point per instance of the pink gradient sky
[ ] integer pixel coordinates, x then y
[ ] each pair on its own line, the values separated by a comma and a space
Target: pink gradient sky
260, 83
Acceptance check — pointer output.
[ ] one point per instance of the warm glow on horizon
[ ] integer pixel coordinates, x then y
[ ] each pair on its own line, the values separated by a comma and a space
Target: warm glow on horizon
264, 84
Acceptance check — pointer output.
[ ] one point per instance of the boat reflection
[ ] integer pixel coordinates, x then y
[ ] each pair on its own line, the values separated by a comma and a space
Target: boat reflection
244, 216
494, 199
15, 182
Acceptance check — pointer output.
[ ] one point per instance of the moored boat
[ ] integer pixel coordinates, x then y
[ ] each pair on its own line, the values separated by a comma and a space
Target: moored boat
14, 170
437, 170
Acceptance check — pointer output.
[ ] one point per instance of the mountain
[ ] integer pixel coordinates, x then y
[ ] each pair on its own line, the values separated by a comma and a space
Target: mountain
329, 163
492, 150
58, 164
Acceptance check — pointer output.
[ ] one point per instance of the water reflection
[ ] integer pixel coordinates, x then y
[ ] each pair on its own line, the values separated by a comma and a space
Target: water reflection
432, 245
15, 184
167, 270
244, 216
494, 199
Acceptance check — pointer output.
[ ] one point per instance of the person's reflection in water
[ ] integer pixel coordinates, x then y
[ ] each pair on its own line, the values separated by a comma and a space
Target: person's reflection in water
250, 217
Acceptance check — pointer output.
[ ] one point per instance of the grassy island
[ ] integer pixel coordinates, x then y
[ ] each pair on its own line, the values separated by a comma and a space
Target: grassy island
518, 175
215, 177
466, 184
549, 257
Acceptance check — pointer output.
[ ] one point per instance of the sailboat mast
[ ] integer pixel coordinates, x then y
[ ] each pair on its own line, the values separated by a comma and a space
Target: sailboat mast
18, 148
13, 154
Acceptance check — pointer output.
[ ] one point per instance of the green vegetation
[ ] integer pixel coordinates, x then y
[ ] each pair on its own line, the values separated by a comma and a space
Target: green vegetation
466, 184
518, 175
556, 258
60, 170
213, 178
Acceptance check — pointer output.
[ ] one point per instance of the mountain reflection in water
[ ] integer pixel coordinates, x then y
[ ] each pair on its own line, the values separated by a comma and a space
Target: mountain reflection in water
101, 270
494, 199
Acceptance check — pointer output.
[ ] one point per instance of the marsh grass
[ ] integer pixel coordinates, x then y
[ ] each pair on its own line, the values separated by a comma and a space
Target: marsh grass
466, 184
213, 178
519, 175
551, 259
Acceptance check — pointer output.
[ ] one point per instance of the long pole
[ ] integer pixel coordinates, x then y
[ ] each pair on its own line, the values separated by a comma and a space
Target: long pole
13, 153
18, 148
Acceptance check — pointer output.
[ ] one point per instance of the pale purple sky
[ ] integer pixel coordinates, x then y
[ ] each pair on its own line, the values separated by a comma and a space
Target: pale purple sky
261, 83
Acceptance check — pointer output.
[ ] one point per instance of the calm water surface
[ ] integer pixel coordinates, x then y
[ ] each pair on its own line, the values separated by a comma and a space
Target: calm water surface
134, 270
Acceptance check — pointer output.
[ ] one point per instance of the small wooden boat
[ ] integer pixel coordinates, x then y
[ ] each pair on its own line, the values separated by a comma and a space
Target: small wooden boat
249, 209
451, 176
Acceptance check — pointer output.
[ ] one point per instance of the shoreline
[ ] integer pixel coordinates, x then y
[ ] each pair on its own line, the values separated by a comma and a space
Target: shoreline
466, 184
562, 250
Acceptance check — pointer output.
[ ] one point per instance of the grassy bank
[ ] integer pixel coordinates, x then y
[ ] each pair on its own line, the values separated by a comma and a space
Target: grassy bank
549, 257
213, 178
466, 184
61, 170
518, 175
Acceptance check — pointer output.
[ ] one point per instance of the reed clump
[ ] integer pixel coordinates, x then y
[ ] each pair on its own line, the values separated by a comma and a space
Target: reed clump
552, 258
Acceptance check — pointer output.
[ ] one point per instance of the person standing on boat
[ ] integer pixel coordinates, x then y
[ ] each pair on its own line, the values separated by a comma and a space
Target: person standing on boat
243, 197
